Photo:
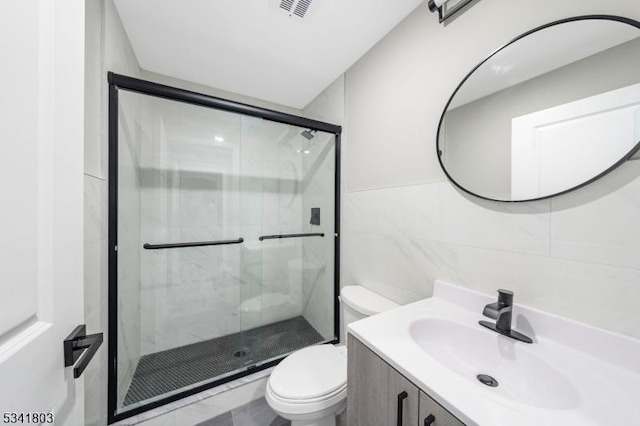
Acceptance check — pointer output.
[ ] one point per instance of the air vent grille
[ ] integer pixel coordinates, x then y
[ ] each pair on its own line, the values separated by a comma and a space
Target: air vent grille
301, 8
298, 8
286, 5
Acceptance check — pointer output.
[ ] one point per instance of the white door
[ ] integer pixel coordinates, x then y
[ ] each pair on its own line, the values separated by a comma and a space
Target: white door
41, 206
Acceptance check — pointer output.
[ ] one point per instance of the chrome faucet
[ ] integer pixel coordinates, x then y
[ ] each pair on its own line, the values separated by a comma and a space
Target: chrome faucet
501, 311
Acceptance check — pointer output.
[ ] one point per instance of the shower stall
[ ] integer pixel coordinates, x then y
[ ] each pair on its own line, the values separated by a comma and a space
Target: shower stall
223, 241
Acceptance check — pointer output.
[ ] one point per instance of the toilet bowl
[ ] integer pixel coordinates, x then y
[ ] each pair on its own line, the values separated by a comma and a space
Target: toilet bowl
309, 387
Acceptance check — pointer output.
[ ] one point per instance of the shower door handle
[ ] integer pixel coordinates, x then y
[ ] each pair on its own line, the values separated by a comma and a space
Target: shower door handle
279, 236
148, 246
79, 349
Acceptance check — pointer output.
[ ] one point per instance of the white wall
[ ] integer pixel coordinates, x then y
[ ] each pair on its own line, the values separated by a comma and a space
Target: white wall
404, 225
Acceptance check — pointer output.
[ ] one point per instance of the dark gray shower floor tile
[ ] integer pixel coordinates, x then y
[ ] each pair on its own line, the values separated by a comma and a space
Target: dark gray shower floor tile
173, 369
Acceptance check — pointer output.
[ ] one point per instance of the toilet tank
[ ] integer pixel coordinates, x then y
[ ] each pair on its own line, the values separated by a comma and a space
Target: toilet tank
358, 302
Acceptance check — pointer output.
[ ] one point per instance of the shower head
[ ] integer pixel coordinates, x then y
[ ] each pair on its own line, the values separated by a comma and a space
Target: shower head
308, 134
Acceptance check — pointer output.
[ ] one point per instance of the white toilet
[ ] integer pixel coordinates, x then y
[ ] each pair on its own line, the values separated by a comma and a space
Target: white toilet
309, 387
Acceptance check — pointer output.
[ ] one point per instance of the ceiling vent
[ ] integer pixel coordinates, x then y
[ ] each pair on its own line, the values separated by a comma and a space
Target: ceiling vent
297, 8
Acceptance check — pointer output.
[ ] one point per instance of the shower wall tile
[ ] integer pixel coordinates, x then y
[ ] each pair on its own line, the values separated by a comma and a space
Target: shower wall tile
95, 203
94, 163
182, 315
95, 242
95, 295
95, 398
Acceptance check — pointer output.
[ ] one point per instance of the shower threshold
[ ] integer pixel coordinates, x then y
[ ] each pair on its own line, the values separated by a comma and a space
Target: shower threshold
165, 372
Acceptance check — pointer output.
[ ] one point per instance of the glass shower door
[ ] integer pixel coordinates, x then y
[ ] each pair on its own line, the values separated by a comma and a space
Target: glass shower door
220, 266
276, 203
179, 253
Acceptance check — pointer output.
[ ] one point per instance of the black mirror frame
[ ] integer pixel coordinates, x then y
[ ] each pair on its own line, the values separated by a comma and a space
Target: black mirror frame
625, 158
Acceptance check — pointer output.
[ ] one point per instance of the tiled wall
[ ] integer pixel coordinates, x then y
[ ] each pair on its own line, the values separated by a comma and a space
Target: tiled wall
577, 255
107, 49
95, 296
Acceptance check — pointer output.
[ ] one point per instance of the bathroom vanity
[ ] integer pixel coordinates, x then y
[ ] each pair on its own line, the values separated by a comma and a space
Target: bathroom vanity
433, 358
379, 395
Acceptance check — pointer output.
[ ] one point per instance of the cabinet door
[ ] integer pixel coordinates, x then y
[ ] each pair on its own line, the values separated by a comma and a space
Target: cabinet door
376, 393
402, 400
367, 377
440, 416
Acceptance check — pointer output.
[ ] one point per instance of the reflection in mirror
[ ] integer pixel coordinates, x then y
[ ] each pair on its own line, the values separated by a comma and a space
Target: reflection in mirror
547, 113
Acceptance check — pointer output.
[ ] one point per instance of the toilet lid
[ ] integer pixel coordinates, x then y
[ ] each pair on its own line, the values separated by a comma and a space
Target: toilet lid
310, 373
365, 301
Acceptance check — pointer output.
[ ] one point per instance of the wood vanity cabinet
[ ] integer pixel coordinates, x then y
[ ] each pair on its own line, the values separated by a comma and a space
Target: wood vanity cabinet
441, 417
377, 395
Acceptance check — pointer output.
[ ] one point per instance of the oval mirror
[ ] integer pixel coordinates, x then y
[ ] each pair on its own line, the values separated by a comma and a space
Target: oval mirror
549, 112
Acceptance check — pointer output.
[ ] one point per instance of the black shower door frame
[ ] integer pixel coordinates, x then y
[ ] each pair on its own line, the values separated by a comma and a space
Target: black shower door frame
121, 82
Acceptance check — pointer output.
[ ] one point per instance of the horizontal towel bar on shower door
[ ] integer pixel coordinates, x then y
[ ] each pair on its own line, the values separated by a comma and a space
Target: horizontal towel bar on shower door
274, 237
196, 244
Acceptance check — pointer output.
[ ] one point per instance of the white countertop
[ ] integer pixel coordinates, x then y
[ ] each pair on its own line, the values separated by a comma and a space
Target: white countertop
594, 374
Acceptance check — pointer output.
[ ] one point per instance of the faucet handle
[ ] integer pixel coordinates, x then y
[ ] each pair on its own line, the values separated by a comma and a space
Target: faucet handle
505, 297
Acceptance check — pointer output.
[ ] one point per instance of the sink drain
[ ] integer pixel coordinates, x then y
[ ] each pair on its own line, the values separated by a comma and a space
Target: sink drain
485, 379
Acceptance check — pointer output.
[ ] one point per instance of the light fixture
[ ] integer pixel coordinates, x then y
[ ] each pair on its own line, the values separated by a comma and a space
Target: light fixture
448, 8
218, 139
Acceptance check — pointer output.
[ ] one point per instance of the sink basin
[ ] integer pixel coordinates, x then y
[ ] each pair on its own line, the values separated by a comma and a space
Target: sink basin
572, 374
468, 351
